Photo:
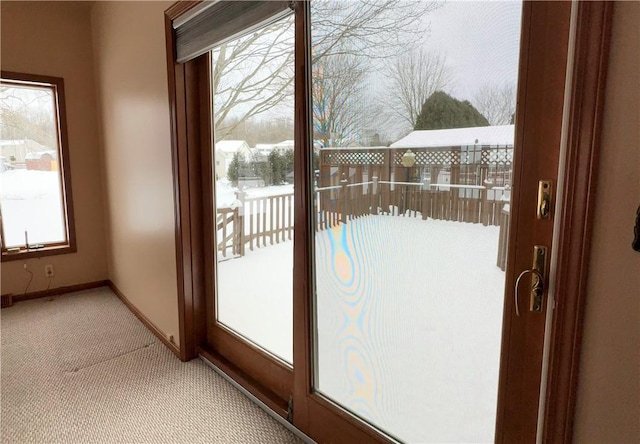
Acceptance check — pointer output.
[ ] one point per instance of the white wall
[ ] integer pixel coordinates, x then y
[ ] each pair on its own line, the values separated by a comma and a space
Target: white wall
608, 404
131, 82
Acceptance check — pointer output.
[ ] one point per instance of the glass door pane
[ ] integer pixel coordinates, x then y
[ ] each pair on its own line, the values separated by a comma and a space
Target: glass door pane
413, 126
252, 84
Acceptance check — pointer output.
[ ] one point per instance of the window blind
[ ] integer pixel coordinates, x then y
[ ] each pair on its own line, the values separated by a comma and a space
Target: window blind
216, 22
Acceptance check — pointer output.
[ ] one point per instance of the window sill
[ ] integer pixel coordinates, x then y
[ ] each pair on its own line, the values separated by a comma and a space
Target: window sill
51, 250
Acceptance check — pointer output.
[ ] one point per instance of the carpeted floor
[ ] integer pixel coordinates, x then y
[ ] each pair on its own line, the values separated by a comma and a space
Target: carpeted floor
81, 368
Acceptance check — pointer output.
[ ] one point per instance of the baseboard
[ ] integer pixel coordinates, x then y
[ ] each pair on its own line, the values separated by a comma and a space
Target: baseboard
53, 291
142, 318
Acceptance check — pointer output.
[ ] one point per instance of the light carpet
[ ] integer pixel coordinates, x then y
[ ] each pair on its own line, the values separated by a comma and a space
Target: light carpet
81, 368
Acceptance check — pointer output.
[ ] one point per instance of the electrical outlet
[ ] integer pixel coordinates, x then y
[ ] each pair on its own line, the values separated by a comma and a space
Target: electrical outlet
48, 271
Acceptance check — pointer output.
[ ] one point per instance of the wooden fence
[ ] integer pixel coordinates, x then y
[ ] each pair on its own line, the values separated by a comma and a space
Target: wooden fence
354, 182
460, 203
254, 222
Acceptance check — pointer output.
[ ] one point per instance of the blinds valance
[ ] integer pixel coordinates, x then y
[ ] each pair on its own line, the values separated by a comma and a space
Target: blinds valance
215, 22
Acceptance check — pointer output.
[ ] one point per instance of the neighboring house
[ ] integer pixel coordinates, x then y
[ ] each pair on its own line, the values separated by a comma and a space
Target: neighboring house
470, 142
16, 152
224, 152
261, 151
482, 135
42, 160
285, 145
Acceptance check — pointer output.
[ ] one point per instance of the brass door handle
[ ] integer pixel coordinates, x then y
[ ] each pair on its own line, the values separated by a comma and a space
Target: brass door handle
537, 286
537, 282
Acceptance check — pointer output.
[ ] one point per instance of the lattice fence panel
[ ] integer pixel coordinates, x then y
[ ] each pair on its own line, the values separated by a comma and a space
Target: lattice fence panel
353, 158
500, 156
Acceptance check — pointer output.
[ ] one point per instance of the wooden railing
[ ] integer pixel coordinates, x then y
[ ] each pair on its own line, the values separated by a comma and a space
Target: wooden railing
228, 236
258, 222
254, 222
461, 203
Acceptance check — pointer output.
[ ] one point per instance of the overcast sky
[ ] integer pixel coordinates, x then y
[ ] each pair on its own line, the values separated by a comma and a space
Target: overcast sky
480, 40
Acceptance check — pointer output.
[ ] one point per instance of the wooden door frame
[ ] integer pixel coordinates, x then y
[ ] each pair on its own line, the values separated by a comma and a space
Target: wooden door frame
576, 193
542, 76
579, 178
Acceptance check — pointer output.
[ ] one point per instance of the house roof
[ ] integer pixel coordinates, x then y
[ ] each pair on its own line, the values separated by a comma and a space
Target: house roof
38, 155
285, 144
482, 135
231, 146
32, 144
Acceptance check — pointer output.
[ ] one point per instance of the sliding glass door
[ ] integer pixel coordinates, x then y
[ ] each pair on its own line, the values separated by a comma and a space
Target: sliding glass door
416, 170
365, 177
252, 85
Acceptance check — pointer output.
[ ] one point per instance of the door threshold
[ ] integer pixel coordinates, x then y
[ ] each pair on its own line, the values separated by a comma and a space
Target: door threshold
293, 429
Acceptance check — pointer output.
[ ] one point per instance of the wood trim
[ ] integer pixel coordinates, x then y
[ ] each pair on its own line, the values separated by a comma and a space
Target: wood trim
542, 79
69, 246
190, 93
49, 250
186, 195
579, 174
180, 7
66, 166
256, 363
57, 291
142, 318
263, 393
302, 275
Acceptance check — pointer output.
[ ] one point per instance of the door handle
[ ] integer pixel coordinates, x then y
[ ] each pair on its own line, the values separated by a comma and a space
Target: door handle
536, 291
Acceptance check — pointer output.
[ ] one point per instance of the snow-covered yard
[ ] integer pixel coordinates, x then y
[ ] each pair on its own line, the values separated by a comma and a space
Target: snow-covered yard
409, 317
31, 201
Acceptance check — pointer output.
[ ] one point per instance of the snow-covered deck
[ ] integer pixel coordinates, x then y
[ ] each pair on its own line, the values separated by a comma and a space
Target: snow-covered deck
409, 316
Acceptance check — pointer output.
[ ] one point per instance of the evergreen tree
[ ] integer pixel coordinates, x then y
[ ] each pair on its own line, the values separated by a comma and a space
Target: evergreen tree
275, 163
287, 164
237, 165
441, 111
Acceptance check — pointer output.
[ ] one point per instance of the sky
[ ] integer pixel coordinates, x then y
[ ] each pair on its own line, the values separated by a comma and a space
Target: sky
481, 41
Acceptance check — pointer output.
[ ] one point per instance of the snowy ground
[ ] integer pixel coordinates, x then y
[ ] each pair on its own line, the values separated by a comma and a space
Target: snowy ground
225, 192
31, 201
409, 317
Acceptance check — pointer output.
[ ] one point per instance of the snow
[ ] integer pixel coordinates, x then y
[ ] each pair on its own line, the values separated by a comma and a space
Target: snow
226, 193
31, 201
482, 135
38, 155
259, 287
231, 146
409, 316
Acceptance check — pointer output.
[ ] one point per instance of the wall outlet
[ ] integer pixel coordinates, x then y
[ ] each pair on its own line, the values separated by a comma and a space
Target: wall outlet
48, 271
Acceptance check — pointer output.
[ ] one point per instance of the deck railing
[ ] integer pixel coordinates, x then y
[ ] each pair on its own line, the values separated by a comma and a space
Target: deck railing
258, 222
254, 222
359, 181
461, 203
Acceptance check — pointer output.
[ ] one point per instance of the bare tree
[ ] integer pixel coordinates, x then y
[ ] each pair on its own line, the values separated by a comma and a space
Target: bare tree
253, 75
27, 113
497, 102
414, 77
337, 93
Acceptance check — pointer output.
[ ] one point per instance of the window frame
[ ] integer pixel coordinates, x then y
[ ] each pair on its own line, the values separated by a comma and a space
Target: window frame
52, 248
